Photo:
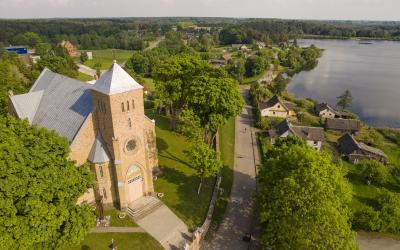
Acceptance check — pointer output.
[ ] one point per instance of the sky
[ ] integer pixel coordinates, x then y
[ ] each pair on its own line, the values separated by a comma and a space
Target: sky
287, 9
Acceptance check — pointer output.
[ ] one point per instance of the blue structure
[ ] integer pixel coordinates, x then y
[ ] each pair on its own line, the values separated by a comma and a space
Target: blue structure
20, 50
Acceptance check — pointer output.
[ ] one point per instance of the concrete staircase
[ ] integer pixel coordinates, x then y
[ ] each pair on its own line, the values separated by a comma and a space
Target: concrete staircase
143, 206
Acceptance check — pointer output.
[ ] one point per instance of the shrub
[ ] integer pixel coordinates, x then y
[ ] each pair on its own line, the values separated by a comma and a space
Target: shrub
375, 172
389, 204
367, 219
390, 134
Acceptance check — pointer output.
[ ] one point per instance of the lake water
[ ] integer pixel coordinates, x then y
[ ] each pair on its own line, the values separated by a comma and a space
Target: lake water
370, 71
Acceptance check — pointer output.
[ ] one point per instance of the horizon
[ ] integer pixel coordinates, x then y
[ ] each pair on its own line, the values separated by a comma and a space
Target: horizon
317, 10
205, 17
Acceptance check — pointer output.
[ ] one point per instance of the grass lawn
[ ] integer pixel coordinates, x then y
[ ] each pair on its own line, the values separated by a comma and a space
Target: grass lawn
83, 77
253, 78
105, 57
179, 182
115, 221
227, 150
100, 241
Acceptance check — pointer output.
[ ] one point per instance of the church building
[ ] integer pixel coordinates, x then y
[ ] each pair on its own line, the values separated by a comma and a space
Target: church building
105, 125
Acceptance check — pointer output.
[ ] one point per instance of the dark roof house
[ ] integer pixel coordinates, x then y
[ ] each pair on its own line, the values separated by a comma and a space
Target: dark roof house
313, 135
347, 125
275, 100
356, 151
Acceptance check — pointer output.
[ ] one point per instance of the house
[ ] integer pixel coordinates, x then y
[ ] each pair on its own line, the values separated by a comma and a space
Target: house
20, 50
72, 50
345, 125
105, 125
275, 107
217, 62
89, 55
260, 45
358, 151
314, 136
239, 46
323, 110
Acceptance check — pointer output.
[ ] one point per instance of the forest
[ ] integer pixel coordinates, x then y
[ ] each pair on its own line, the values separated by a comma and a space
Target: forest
134, 33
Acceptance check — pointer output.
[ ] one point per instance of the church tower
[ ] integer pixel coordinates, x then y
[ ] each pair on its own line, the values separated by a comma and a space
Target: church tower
128, 135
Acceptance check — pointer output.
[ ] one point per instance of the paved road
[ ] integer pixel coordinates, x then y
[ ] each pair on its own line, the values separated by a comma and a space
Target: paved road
86, 70
367, 242
238, 216
166, 228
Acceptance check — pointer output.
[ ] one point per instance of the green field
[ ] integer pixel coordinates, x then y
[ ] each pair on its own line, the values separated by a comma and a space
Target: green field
105, 57
179, 182
134, 241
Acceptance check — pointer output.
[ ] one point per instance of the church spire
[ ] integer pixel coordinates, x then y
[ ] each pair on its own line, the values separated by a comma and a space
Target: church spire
115, 80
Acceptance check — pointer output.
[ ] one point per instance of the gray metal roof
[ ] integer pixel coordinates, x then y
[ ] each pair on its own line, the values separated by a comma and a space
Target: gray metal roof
27, 104
64, 105
115, 80
99, 153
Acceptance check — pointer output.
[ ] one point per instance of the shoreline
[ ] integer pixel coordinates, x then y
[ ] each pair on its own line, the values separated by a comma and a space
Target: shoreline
349, 38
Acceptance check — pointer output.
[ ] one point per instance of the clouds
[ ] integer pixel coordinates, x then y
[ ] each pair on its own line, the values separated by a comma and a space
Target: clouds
293, 9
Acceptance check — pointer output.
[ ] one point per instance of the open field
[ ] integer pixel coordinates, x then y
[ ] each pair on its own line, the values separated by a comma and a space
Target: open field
105, 57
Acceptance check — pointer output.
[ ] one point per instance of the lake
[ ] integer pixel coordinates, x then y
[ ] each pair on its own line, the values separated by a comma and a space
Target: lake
370, 71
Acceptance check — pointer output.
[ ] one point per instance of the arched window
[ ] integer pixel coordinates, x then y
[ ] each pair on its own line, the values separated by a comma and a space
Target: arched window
104, 107
127, 105
129, 122
101, 171
123, 107
133, 104
104, 194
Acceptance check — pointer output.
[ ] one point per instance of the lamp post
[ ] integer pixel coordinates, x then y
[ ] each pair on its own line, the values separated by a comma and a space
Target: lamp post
113, 245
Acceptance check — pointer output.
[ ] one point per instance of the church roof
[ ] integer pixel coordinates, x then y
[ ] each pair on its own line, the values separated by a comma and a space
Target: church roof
115, 80
56, 102
27, 104
99, 153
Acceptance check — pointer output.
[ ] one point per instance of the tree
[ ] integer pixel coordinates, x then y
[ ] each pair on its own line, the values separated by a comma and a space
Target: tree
42, 49
345, 100
205, 160
83, 57
39, 189
214, 100
173, 78
279, 84
97, 66
14, 76
236, 68
57, 64
254, 65
32, 39
375, 172
303, 199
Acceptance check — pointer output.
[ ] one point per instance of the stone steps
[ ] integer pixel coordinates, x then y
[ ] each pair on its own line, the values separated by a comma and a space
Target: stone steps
143, 206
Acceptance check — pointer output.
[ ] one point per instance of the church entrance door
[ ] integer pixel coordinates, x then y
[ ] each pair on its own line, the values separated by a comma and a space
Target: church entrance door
134, 184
